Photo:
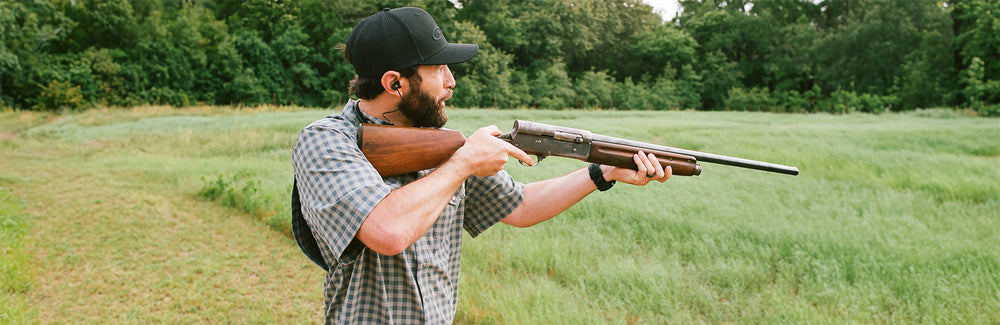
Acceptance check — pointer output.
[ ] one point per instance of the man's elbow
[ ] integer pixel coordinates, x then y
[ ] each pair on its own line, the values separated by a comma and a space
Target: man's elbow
384, 240
389, 249
519, 220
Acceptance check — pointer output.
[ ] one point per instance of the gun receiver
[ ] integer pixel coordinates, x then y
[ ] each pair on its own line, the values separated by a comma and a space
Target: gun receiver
394, 150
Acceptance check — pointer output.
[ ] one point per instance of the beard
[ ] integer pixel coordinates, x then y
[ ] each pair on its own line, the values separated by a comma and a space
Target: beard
422, 109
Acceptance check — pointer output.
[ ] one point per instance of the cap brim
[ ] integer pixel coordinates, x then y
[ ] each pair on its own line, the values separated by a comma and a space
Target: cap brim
453, 53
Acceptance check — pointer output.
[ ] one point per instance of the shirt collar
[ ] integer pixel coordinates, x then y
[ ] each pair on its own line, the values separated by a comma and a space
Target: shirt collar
353, 112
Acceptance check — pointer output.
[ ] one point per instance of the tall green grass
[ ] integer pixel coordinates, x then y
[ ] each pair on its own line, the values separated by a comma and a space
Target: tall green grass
15, 278
892, 220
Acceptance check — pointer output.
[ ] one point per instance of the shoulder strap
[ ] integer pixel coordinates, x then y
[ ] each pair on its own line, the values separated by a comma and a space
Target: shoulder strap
303, 235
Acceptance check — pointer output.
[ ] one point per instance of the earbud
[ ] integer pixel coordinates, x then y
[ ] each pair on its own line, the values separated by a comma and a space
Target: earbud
395, 86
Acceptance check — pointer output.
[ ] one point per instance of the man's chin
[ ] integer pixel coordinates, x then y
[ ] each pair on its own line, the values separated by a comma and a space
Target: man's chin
443, 113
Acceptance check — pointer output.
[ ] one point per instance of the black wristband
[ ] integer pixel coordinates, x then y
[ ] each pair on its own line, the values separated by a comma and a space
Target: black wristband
597, 176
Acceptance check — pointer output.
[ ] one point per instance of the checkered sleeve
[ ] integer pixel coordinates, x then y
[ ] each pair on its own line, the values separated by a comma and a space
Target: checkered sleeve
338, 187
490, 199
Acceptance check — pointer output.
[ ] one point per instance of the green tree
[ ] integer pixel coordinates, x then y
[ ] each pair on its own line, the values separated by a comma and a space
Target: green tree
868, 51
108, 82
29, 31
787, 63
103, 24
484, 81
255, 84
631, 95
582, 34
551, 87
593, 90
717, 76
979, 91
208, 47
654, 49
977, 52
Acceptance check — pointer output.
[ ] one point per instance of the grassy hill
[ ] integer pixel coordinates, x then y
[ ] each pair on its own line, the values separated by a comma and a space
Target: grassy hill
181, 215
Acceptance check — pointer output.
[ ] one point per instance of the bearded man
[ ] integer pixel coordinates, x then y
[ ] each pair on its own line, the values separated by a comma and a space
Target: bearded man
391, 246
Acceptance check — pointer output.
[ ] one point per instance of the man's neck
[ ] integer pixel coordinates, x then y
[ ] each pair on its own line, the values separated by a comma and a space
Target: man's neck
384, 107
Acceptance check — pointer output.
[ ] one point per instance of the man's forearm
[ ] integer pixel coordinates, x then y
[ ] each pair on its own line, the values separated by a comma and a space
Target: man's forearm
408, 212
546, 199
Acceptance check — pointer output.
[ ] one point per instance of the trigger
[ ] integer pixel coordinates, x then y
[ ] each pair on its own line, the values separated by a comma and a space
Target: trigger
538, 160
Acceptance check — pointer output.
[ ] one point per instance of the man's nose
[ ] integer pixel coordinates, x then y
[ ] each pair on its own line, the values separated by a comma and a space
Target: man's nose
449, 81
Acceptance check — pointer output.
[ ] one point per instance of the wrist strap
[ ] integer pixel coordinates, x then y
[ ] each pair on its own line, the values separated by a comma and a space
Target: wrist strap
597, 176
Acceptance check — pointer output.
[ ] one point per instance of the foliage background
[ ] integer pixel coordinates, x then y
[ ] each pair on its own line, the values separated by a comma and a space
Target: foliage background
754, 55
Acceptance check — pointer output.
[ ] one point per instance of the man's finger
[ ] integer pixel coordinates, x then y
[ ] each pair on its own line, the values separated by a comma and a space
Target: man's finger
656, 166
650, 168
639, 164
493, 130
519, 154
667, 172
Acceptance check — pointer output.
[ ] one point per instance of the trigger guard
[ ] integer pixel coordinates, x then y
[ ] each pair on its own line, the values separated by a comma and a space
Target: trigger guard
538, 160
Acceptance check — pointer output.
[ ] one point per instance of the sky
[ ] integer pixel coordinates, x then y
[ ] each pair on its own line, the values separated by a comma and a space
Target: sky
666, 8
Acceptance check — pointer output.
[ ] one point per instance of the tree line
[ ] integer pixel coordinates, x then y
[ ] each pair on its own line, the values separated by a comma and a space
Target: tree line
760, 55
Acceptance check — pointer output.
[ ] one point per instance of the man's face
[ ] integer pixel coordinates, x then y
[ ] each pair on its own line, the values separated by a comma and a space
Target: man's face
424, 103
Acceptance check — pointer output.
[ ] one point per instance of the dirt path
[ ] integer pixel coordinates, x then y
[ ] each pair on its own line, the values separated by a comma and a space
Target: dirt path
110, 248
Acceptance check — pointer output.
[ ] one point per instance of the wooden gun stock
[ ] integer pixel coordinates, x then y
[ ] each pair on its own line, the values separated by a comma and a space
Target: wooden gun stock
397, 150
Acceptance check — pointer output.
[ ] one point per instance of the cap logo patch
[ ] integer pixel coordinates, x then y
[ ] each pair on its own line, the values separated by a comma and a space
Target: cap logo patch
436, 34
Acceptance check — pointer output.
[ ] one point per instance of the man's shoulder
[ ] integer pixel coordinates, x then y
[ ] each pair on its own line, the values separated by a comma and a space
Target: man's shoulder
345, 121
334, 131
335, 122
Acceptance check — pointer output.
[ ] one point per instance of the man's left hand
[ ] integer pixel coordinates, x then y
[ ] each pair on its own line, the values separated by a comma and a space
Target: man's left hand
649, 169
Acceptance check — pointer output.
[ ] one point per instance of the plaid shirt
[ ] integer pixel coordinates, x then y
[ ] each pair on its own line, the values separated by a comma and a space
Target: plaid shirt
338, 188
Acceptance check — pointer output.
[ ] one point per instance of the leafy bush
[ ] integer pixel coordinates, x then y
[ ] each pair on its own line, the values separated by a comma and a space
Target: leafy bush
60, 95
753, 99
849, 101
235, 191
552, 88
593, 89
631, 95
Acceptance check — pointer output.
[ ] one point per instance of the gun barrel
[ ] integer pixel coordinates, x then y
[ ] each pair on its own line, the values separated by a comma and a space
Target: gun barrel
704, 156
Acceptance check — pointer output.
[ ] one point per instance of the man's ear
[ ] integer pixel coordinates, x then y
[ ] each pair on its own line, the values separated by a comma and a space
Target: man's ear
392, 81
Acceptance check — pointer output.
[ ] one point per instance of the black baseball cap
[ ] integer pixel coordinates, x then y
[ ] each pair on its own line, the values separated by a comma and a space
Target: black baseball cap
396, 39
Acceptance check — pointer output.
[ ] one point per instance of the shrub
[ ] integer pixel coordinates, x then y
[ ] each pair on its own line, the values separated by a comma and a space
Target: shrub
60, 95
849, 101
242, 194
753, 99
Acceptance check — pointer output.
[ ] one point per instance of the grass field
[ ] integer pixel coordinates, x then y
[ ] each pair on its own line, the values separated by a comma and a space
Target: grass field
177, 216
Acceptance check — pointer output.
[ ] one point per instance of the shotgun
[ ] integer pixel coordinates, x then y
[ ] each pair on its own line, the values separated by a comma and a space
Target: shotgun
396, 150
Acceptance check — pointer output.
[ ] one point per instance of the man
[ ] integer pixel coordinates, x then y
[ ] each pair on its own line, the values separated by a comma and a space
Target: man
391, 246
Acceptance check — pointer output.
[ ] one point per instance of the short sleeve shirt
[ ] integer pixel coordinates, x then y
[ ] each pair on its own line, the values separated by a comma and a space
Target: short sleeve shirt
338, 188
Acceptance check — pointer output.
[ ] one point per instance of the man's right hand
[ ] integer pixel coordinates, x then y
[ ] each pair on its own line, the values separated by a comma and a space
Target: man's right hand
485, 155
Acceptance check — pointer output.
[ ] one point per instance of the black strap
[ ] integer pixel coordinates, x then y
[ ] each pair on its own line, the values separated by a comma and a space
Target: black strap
597, 176
303, 235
